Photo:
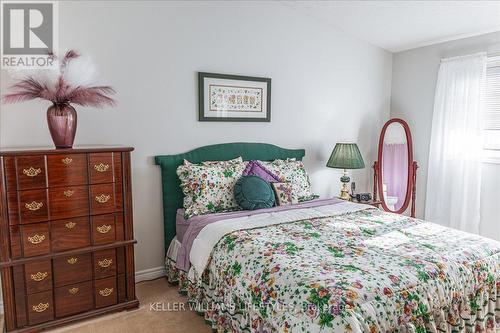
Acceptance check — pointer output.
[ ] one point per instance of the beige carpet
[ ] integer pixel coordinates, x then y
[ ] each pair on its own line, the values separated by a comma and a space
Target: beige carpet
143, 320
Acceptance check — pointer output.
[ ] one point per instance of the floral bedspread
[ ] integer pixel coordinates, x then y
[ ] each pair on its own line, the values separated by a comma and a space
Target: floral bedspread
367, 271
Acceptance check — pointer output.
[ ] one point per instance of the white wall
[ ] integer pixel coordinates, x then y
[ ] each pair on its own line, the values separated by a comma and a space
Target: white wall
413, 85
326, 87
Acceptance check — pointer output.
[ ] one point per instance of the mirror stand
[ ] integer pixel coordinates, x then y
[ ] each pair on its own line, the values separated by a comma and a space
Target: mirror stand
376, 175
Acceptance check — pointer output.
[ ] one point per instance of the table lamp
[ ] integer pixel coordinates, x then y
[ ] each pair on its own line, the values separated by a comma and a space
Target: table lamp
345, 156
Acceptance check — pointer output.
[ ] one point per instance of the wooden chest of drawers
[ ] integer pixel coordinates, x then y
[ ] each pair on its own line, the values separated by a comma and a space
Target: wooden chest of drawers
66, 235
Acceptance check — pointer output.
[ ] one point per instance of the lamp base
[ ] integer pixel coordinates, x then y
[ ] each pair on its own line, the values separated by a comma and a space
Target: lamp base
344, 192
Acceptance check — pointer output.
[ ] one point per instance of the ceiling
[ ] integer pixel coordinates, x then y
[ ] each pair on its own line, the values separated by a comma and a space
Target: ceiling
402, 25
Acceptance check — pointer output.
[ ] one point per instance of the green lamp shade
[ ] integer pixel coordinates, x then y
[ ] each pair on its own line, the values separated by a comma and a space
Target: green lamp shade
346, 156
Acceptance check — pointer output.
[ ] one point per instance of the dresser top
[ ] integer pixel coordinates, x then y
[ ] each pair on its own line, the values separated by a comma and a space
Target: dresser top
6, 151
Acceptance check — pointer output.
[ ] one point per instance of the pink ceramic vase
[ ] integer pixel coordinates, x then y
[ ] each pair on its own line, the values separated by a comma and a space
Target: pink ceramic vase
61, 118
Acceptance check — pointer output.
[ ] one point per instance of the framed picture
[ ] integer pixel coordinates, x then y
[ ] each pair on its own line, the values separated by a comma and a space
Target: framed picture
234, 98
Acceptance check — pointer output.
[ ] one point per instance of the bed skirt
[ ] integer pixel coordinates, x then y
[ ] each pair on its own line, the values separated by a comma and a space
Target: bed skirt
483, 309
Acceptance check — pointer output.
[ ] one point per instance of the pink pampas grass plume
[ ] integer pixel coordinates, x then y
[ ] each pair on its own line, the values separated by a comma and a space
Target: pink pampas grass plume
73, 83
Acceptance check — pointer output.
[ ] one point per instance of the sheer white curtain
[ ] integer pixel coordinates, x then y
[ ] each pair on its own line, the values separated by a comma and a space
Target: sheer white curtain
454, 175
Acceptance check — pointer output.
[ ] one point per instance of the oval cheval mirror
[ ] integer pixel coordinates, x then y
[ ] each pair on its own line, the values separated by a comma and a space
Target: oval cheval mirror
395, 171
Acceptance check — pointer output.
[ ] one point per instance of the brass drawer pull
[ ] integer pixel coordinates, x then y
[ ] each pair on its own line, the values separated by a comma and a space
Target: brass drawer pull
70, 225
37, 239
39, 276
40, 307
106, 292
68, 193
105, 263
67, 160
32, 172
104, 229
101, 167
73, 291
33, 205
72, 260
103, 198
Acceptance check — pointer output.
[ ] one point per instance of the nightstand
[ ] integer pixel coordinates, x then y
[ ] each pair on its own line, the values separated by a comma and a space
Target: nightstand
377, 203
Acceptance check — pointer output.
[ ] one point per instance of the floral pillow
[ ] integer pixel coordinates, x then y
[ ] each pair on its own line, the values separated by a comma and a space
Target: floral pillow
293, 172
284, 194
209, 188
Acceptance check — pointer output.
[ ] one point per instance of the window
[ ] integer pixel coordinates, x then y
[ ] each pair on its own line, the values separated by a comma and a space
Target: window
492, 116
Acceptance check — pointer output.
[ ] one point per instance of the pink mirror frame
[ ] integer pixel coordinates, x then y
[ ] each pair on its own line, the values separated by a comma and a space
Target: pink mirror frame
412, 171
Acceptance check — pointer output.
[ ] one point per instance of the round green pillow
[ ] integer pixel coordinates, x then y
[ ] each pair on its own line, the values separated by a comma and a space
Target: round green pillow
253, 192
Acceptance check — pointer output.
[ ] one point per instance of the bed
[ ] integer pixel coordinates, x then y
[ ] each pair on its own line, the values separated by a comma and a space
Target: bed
326, 265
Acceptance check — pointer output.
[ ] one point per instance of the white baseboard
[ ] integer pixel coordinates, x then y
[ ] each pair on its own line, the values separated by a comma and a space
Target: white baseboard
147, 274
150, 274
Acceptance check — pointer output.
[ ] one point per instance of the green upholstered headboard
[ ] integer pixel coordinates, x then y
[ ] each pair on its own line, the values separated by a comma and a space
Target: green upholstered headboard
172, 193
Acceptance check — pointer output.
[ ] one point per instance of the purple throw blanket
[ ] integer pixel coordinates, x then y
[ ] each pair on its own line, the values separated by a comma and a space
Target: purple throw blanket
197, 223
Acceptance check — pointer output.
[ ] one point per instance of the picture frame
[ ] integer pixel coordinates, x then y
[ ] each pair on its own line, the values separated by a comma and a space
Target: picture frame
233, 98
